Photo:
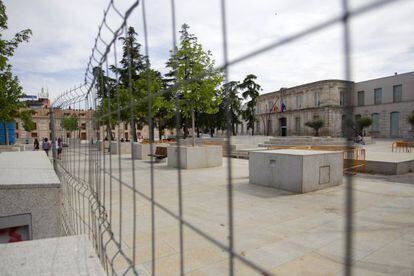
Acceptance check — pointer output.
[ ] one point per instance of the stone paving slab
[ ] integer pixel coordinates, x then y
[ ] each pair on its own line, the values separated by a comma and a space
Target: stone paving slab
287, 234
72, 255
27, 169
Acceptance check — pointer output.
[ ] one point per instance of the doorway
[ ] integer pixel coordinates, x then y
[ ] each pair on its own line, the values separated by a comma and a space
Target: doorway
394, 124
283, 126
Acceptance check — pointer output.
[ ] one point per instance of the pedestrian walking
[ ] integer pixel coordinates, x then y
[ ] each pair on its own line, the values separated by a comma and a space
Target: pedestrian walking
46, 146
59, 147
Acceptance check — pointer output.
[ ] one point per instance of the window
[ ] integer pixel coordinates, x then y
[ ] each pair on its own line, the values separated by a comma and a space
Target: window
396, 93
297, 124
34, 135
315, 117
317, 99
375, 122
83, 126
258, 109
357, 117
360, 98
378, 96
299, 101
342, 98
258, 127
35, 126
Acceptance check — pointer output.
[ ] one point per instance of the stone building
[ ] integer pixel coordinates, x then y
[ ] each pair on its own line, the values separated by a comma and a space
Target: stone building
43, 128
388, 100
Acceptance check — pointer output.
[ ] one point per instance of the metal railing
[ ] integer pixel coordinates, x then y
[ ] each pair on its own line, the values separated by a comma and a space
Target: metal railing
105, 195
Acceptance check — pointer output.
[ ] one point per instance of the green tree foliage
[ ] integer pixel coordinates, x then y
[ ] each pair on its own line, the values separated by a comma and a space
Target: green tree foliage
193, 74
26, 117
10, 89
362, 123
251, 93
316, 125
70, 123
231, 94
105, 90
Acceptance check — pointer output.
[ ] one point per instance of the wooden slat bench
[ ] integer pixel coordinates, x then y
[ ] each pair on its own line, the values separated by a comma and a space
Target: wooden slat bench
402, 145
160, 153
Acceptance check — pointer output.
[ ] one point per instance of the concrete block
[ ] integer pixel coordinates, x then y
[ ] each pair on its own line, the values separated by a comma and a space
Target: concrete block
125, 147
73, 255
298, 171
29, 185
141, 151
195, 157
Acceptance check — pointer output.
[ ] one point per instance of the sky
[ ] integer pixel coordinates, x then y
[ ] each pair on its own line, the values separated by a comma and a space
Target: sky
382, 41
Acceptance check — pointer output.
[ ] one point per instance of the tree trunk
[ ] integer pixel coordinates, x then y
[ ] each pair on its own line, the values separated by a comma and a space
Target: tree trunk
108, 136
134, 130
6, 134
252, 131
193, 126
198, 132
211, 132
160, 133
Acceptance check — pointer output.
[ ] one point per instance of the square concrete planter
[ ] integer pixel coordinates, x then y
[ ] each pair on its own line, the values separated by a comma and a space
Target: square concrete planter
125, 147
195, 157
298, 171
141, 151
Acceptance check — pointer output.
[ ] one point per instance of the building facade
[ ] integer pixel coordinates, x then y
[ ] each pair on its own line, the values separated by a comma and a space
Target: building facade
388, 101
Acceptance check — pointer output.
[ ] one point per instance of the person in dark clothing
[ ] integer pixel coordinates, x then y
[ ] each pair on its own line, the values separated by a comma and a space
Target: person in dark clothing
36, 144
59, 147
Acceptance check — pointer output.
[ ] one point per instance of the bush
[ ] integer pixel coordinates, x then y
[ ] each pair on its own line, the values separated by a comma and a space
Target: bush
316, 125
362, 123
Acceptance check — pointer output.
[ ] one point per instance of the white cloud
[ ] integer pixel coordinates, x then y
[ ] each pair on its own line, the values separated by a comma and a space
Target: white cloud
64, 33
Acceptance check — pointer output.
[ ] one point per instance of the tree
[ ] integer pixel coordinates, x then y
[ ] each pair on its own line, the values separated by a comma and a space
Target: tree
193, 78
151, 81
28, 124
231, 96
250, 91
362, 123
410, 120
133, 64
70, 123
10, 89
316, 125
105, 90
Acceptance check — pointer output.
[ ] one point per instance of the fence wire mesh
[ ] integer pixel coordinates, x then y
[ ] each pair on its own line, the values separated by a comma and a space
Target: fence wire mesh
136, 212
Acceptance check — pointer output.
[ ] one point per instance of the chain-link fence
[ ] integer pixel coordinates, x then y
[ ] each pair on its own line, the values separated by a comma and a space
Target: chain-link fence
141, 214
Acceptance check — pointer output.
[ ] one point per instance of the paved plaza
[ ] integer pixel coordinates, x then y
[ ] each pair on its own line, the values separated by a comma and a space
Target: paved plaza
287, 234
